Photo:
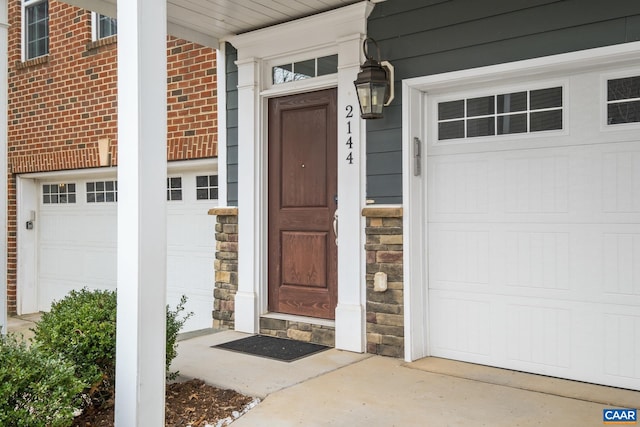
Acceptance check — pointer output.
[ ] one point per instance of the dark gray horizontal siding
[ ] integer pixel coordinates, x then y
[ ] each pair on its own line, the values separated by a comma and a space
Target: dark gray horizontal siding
421, 37
231, 55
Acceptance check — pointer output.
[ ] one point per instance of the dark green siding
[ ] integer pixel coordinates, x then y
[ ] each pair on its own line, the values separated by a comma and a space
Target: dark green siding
423, 37
231, 55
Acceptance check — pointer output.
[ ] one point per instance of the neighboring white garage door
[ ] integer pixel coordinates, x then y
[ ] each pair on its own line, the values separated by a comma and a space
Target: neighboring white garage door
533, 230
77, 240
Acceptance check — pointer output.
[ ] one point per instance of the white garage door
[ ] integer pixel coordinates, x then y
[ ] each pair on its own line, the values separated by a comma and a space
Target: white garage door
534, 226
77, 231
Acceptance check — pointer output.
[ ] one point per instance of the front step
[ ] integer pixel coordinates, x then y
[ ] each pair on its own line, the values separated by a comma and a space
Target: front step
298, 330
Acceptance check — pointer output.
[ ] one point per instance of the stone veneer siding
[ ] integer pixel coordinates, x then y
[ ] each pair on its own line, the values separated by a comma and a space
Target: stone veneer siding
226, 267
385, 310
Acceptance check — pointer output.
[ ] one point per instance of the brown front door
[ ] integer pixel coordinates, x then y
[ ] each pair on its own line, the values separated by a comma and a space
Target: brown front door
302, 201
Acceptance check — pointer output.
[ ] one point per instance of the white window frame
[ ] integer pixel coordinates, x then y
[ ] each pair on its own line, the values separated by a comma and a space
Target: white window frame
95, 27
25, 5
435, 100
169, 188
604, 103
209, 186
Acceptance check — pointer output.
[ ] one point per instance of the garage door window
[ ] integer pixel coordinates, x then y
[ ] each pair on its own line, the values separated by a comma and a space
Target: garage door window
174, 188
623, 100
58, 193
501, 114
207, 187
102, 191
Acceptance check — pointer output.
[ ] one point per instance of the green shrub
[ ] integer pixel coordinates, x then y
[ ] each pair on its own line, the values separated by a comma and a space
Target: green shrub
36, 389
81, 328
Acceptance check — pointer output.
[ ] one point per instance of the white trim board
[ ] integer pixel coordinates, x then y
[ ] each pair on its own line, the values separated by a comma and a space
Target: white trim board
415, 91
341, 32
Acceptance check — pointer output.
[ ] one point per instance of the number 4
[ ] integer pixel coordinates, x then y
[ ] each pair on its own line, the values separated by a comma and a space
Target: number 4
350, 158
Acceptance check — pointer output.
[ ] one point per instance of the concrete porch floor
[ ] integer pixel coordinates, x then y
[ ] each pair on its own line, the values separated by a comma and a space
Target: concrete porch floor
338, 388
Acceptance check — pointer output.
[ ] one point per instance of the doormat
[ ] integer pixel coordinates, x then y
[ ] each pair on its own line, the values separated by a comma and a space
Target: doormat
273, 348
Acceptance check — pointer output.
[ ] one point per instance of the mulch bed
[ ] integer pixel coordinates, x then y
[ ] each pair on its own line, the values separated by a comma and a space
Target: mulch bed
190, 403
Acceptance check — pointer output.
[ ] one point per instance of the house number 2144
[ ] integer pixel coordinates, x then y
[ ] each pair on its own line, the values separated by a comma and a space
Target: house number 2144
349, 143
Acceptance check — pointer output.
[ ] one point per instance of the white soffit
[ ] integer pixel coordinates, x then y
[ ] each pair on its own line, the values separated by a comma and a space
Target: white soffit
208, 21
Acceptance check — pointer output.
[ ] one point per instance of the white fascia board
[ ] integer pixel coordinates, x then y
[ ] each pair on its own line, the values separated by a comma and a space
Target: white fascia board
302, 34
193, 35
108, 8
103, 7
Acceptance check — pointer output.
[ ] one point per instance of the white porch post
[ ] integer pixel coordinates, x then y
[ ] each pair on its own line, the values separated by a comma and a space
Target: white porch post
350, 312
4, 26
142, 171
250, 172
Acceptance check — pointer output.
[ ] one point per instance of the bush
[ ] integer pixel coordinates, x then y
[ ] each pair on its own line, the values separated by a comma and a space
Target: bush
81, 328
36, 389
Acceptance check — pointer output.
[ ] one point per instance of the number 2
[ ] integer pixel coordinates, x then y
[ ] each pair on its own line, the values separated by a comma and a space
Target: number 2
349, 109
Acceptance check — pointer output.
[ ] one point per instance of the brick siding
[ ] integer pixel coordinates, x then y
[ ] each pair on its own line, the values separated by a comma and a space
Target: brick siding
61, 104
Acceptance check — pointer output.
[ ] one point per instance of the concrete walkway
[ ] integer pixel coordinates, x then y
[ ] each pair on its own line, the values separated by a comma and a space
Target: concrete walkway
337, 388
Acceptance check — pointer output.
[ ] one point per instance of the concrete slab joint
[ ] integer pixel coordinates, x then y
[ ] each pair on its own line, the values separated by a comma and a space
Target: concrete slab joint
385, 307
226, 267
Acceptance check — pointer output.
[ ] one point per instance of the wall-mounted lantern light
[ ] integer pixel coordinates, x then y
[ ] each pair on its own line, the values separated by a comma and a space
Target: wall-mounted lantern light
374, 84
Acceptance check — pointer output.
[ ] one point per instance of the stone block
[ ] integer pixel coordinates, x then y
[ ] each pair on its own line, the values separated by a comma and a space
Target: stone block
395, 285
223, 276
226, 255
380, 307
227, 246
323, 336
297, 335
392, 257
397, 331
371, 257
218, 228
373, 239
374, 222
274, 324
392, 341
391, 296
230, 228
392, 222
383, 230
371, 317
391, 239
374, 338
390, 351
372, 348
221, 237
390, 319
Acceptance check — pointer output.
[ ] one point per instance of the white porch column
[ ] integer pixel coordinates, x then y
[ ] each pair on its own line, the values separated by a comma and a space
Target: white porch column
4, 26
142, 171
350, 312
251, 227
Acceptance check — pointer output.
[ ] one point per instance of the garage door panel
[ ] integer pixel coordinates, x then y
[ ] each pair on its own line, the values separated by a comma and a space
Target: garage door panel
621, 181
462, 326
534, 245
538, 334
78, 248
622, 346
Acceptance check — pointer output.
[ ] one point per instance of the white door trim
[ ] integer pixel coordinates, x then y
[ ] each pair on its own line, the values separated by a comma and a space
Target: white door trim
415, 93
341, 32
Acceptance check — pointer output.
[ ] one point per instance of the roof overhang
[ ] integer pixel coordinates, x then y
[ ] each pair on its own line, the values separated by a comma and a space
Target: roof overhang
208, 22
